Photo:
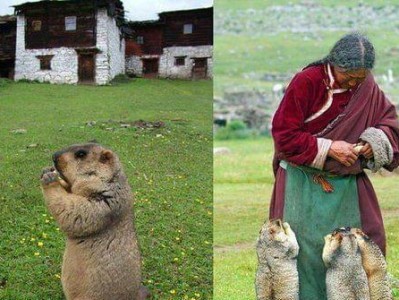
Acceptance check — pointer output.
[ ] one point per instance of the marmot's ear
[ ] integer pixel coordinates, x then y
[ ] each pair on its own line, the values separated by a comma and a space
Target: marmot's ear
106, 156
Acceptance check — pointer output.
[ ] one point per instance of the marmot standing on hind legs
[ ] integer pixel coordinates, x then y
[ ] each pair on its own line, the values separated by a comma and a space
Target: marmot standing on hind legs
375, 265
277, 274
89, 196
345, 277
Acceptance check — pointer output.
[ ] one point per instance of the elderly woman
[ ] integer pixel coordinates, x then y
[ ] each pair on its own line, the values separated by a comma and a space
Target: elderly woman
332, 123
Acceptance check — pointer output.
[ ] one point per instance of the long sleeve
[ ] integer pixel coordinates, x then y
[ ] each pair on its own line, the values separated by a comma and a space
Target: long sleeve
292, 142
389, 124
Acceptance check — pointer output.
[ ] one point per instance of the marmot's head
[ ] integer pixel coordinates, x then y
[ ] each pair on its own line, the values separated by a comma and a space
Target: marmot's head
87, 167
361, 237
373, 258
278, 239
341, 243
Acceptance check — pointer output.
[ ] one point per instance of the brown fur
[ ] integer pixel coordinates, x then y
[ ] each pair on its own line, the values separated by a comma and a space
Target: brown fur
345, 277
277, 275
88, 195
375, 266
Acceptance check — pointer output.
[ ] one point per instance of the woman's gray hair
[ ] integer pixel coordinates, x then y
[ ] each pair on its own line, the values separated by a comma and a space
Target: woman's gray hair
352, 52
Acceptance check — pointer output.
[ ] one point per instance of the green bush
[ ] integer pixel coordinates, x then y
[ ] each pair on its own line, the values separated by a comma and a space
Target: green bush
120, 79
235, 130
236, 125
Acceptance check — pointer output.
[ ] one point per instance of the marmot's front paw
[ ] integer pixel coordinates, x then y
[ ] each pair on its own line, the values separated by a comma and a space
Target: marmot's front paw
49, 176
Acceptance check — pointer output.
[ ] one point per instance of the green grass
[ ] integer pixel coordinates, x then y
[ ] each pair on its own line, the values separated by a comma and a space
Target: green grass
169, 169
242, 189
260, 4
252, 47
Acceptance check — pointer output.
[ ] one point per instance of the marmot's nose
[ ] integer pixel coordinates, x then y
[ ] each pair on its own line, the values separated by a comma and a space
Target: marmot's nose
56, 155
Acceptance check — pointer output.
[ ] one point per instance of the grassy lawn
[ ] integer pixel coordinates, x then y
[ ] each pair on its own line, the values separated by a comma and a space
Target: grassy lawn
169, 169
242, 189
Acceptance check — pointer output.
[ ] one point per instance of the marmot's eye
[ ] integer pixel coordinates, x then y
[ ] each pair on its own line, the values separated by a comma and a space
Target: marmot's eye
80, 153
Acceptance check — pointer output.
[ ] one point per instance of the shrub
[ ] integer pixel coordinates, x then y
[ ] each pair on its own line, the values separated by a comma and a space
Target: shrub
235, 130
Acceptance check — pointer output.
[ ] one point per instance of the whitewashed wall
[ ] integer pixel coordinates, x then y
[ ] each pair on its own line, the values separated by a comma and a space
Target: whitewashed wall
64, 64
134, 65
102, 75
111, 61
167, 66
116, 48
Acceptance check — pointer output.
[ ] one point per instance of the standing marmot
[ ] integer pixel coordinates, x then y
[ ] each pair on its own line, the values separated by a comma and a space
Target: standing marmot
88, 195
375, 266
277, 274
345, 278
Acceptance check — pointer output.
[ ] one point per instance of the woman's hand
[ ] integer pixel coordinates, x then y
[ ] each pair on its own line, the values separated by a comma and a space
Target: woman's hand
343, 152
367, 151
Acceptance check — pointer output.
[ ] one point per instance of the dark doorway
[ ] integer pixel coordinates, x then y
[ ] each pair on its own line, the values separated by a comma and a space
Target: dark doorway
199, 68
7, 69
86, 68
150, 67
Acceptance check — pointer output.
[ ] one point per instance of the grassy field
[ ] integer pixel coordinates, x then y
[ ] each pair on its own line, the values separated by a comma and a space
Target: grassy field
243, 182
169, 169
257, 37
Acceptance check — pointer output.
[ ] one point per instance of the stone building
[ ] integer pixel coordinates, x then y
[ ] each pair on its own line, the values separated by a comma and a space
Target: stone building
177, 45
72, 41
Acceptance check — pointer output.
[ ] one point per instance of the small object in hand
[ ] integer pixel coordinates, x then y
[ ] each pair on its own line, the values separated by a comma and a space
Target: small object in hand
358, 148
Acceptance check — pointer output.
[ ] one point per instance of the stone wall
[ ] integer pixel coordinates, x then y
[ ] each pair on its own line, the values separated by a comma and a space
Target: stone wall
116, 49
134, 65
111, 60
167, 68
102, 59
64, 64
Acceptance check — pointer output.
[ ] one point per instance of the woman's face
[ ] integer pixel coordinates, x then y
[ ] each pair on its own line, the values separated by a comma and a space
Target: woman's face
349, 79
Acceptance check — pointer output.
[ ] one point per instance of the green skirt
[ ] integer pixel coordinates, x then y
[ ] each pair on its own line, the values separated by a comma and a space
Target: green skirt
314, 213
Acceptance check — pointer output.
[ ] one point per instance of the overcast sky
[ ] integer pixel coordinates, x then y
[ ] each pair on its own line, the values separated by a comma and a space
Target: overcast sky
136, 10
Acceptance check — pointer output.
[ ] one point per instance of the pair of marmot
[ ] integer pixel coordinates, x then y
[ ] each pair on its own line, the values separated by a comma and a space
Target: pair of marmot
356, 267
88, 195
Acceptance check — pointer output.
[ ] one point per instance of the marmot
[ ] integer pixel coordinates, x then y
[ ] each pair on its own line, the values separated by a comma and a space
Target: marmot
88, 195
277, 274
375, 266
345, 278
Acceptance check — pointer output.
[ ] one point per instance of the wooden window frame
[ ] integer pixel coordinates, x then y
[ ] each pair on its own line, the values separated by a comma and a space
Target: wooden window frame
140, 39
45, 62
37, 25
188, 28
180, 61
71, 23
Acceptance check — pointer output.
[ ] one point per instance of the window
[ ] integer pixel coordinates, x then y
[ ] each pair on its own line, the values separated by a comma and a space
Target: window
37, 25
188, 28
45, 61
70, 23
140, 40
180, 60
